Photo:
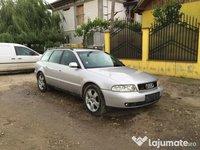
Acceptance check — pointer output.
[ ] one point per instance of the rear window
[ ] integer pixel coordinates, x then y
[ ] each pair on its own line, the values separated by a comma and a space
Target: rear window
46, 55
56, 56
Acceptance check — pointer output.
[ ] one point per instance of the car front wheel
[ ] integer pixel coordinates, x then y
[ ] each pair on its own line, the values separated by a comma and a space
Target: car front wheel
94, 100
42, 85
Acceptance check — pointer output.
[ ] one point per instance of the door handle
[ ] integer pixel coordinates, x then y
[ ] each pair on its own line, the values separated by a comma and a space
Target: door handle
19, 58
12, 58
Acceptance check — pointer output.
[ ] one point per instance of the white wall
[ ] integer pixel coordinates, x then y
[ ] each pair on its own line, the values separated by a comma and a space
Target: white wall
119, 7
90, 10
138, 18
69, 23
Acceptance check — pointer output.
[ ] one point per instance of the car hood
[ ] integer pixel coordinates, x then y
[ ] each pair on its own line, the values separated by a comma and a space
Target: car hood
125, 75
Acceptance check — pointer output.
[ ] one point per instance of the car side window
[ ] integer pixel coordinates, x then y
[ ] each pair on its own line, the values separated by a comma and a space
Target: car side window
46, 55
68, 57
55, 57
23, 51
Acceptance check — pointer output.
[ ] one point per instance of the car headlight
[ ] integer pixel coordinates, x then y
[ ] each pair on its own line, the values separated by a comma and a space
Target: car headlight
124, 88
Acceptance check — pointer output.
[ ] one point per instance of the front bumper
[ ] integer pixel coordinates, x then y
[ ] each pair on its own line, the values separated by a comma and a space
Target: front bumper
131, 99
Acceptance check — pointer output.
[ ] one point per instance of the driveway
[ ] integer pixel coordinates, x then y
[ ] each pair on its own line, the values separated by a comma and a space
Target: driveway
30, 120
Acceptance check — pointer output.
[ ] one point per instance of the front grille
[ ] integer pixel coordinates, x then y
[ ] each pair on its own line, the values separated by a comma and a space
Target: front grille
147, 86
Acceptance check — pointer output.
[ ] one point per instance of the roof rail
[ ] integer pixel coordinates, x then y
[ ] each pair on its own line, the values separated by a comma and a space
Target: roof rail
60, 48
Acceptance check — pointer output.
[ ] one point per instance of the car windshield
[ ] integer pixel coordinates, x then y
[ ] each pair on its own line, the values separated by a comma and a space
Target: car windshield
98, 59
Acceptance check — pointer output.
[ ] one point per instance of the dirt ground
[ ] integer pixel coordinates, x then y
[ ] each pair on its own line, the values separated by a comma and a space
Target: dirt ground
30, 120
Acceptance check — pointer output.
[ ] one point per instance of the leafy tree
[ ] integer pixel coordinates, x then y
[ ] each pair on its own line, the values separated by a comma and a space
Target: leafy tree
100, 25
29, 22
86, 29
130, 24
168, 13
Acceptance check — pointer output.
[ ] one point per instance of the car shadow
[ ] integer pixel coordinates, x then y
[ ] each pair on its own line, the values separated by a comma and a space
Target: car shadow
75, 108
127, 112
17, 72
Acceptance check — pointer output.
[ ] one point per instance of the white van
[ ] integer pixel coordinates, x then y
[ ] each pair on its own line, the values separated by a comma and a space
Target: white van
17, 57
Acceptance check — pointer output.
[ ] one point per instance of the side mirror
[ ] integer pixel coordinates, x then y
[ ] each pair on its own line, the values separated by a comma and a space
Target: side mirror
73, 65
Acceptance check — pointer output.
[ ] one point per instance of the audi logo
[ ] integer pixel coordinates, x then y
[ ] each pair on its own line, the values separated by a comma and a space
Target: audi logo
149, 85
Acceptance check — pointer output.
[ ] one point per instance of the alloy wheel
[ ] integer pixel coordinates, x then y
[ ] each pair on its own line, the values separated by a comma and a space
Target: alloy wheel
41, 82
92, 100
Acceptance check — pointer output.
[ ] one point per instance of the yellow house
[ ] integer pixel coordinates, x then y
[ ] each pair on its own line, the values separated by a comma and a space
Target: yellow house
188, 69
145, 7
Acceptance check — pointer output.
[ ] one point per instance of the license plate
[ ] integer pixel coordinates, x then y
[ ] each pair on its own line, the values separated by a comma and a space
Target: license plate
152, 97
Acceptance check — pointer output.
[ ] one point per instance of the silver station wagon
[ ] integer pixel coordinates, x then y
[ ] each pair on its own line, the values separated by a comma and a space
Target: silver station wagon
99, 78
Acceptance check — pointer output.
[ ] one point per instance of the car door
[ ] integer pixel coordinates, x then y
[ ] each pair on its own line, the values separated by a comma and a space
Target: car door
7, 58
25, 57
71, 77
52, 68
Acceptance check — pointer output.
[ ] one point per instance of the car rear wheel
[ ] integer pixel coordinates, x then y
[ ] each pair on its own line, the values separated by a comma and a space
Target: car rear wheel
94, 100
42, 85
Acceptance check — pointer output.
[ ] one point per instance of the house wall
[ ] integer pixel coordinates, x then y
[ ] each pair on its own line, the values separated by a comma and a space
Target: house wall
69, 23
190, 8
138, 18
153, 3
119, 7
90, 10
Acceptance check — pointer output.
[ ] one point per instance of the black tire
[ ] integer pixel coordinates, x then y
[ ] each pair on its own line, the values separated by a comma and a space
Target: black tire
99, 98
41, 86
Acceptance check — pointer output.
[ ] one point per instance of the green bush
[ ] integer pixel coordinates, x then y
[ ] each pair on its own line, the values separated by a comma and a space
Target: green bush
168, 13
